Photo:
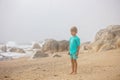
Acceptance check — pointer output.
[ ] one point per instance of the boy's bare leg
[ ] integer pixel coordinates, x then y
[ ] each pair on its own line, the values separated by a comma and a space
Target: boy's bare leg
75, 66
72, 65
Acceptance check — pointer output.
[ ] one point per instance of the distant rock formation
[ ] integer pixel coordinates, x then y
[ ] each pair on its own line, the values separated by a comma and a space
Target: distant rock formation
39, 54
3, 48
52, 46
118, 43
63, 45
36, 45
17, 50
105, 39
85, 46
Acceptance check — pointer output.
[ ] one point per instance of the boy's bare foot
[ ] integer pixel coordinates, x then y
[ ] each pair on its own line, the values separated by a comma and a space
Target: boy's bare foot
74, 73
71, 72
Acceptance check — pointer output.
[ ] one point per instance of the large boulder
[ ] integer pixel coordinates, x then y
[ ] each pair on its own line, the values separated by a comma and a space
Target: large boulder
107, 45
63, 45
118, 43
108, 33
114, 29
95, 46
17, 50
50, 46
107, 39
104, 35
39, 54
53, 46
85, 46
36, 45
3, 48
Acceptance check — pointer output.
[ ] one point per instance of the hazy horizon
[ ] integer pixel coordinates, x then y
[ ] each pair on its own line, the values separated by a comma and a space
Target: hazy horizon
36, 20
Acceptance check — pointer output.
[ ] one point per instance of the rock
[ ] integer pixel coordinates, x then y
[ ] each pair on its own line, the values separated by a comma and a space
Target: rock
104, 35
57, 55
99, 34
118, 43
63, 45
107, 39
36, 45
17, 50
114, 28
107, 46
53, 46
50, 46
3, 48
85, 46
39, 54
95, 46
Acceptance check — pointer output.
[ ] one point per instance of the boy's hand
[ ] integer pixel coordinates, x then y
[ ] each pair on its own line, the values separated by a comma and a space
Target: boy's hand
77, 54
68, 53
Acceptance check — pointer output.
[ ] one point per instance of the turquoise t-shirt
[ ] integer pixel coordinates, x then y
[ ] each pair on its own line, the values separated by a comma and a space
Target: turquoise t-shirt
74, 43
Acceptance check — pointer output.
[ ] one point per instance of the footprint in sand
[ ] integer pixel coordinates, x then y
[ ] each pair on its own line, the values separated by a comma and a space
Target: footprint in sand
6, 76
55, 75
36, 68
44, 70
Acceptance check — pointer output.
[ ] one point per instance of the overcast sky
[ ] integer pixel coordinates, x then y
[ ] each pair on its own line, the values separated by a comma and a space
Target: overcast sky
34, 20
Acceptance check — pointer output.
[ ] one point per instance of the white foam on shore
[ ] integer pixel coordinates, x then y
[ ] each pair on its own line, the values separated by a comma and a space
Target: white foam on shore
26, 47
15, 55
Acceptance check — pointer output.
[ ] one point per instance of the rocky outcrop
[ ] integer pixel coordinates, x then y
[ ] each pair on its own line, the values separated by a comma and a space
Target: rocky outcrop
104, 34
106, 39
118, 43
39, 54
3, 48
55, 46
17, 50
50, 46
36, 45
63, 45
85, 46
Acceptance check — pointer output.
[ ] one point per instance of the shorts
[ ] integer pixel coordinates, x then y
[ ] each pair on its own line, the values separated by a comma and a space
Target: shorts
73, 56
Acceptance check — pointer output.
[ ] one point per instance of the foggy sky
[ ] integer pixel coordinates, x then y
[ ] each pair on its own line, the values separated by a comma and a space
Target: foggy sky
34, 20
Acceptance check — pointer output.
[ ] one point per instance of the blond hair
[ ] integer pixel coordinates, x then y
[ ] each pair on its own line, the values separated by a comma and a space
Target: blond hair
74, 29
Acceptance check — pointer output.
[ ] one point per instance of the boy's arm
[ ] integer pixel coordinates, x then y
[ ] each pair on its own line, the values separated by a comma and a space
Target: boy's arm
68, 51
78, 50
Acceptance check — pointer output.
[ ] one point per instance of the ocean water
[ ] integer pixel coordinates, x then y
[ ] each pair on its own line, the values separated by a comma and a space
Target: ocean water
13, 55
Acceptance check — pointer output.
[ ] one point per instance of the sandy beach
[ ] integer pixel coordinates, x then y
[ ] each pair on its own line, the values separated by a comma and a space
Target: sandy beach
91, 66
37, 35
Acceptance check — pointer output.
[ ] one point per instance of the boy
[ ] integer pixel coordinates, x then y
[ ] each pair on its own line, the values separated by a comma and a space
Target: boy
74, 46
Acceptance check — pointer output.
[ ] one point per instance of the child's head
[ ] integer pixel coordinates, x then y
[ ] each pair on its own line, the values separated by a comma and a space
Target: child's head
73, 30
